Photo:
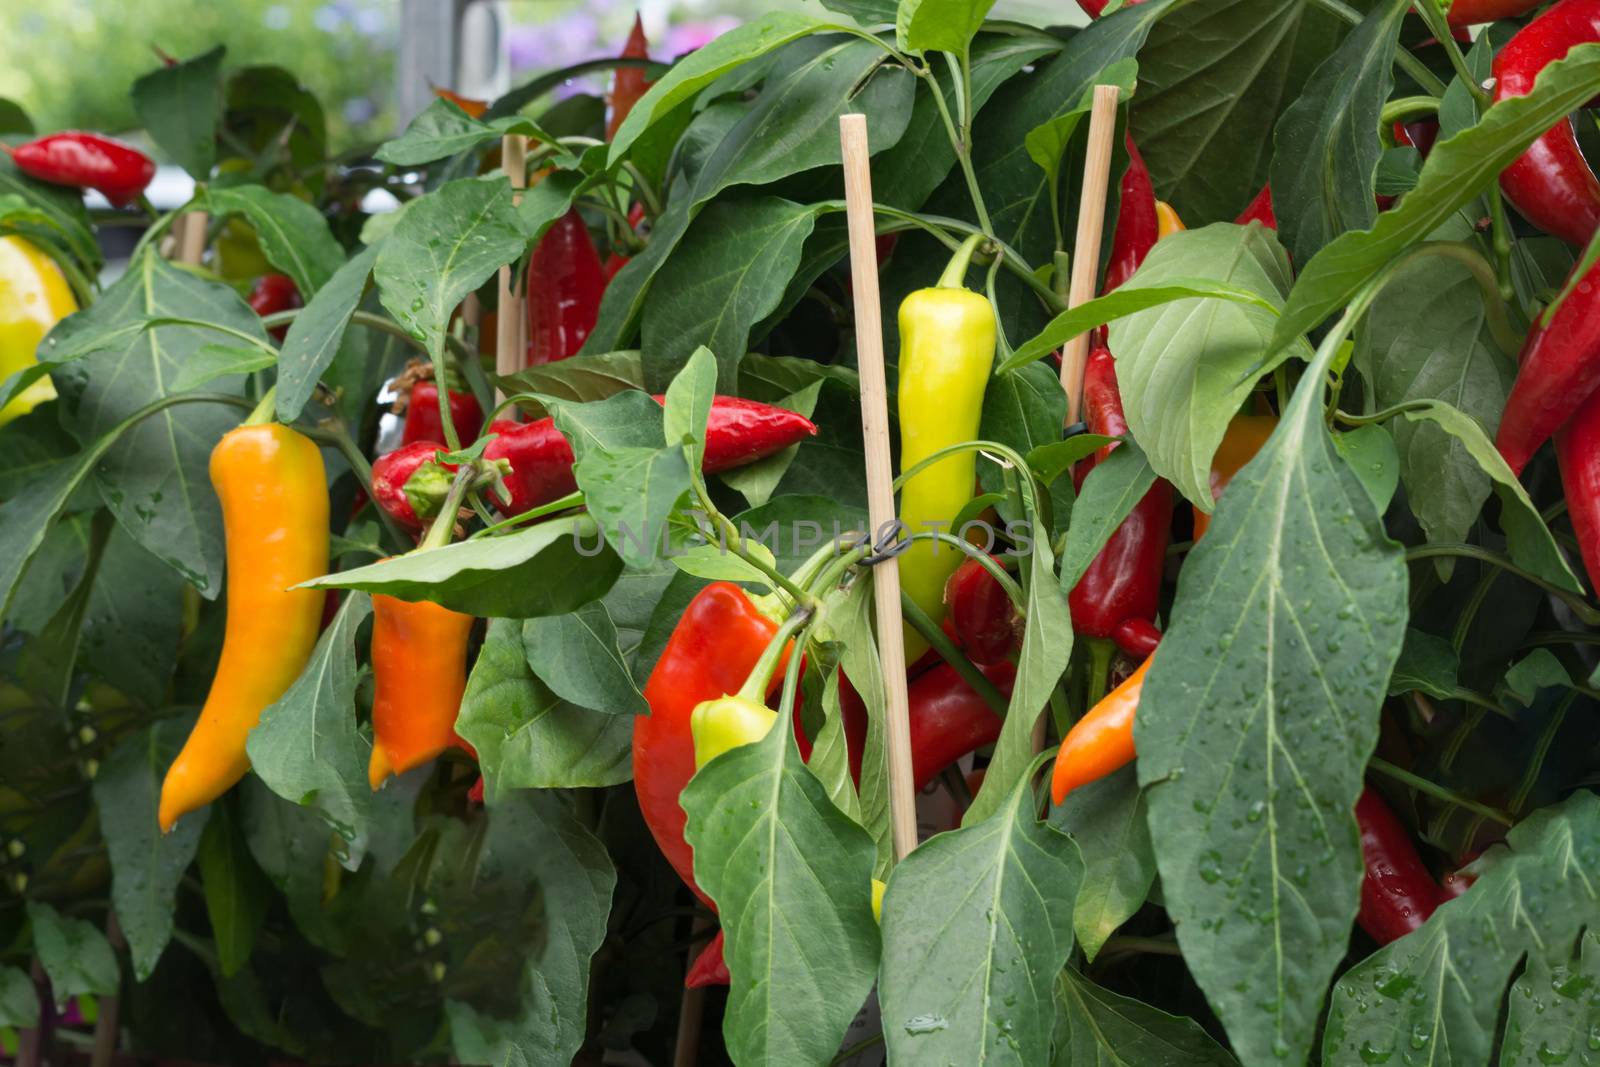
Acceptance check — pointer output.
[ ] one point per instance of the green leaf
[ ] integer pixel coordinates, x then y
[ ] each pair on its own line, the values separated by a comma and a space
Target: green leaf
1109, 494
976, 923
307, 747
759, 480
1047, 142
1326, 144
76, 957
180, 106
146, 865
577, 656
526, 736
627, 419
1185, 367
1427, 664
789, 872
705, 65
729, 271
688, 406
939, 25
576, 879
447, 244
236, 890
631, 492
19, 1000
852, 623
498, 577
13, 119
1424, 339
1528, 539
443, 130
1099, 1028
317, 331
27, 516
1106, 819
546, 202
63, 208
1537, 670
51, 655
1370, 451
156, 481
1457, 170
1257, 717
580, 378
1534, 898
1541, 1027
1204, 115
294, 235
210, 362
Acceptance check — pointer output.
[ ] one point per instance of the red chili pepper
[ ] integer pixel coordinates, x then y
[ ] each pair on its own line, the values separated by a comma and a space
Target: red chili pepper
272, 293
1578, 452
565, 282
738, 432
391, 472
87, 161
1472, 12
1551, 183
422, 415
982, 618
1559, 370
628, 84
948, 719
1397, 892
1137, 223
1259, 210
1092, 8
1418, 133
1123, 582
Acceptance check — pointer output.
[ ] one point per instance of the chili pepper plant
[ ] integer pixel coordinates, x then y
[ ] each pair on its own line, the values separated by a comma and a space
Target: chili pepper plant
364, 704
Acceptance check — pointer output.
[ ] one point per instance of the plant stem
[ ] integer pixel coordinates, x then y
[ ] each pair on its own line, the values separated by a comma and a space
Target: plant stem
571, 500
1438, 792
1578, 604
1407, 62
937, 225
262, 413
962, 148
736, 542
1405, 107
940, 642
760, 678
444, 523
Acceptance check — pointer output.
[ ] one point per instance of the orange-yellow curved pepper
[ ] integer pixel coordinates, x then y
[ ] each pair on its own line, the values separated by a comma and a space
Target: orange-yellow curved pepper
1167, 220
419, 672
34, 296
1244, 438
1101, 742
274, 494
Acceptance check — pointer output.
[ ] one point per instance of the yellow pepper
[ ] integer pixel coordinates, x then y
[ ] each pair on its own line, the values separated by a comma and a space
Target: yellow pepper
1167, 220
878, 889
34, 296
725, 723
274, 494
947, 339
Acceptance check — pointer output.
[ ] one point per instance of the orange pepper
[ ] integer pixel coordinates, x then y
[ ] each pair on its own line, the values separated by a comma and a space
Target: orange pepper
419, 671
274, 494
1101, 742
1167, 220
1246, 434
474, 108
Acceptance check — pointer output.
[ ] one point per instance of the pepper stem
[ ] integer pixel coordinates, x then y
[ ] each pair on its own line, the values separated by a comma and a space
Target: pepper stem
263, 412
444, 524
955, 273
1100, 653
760, 680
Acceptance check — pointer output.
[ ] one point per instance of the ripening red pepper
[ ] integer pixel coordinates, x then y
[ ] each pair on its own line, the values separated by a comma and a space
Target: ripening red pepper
565, 283
272, 293
118, 171
628, 84
981, 616
1259, 210
1138, 225
948, 719
1578, 452
1558, 371
1118, 596
1397, 891
1472, 12
1419, 133
738, 432
1092, 8
1551, 183
422, 415
391, 472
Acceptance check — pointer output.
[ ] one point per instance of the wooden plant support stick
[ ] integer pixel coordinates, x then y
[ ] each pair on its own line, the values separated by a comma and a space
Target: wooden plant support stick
1091, 223
192, 241
510, 346
692, 1006
880, 475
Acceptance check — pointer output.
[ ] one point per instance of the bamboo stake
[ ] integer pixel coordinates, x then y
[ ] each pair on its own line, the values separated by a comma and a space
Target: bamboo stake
1091, 223
511, 320
880, 474
192, 242
692, 1006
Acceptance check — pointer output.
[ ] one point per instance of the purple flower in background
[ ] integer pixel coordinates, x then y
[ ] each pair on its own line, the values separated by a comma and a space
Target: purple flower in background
582, 35
688, 36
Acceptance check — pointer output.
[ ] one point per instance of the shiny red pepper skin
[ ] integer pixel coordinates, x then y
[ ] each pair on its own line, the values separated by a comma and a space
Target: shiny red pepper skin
628, 84
273, 293
1259, 210
981, 616
1398, 892
1578, 452
1419, 134
1472, 12
1092, 8
118, 171
1558, 371
1137, 224
738, 431
391, 471
1124, 581
1551, 183
565, 282
422, 415
948, 719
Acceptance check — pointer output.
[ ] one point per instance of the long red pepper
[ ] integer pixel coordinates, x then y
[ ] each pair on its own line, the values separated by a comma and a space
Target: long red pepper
1119, 594
1472, 12
118, 171
1551, 183
981, 616
1259, 210
628, 84
1559, 370
1398, 892
1137, 224
565, 283
1578, 452
948, 719
273, 293
1093, 8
